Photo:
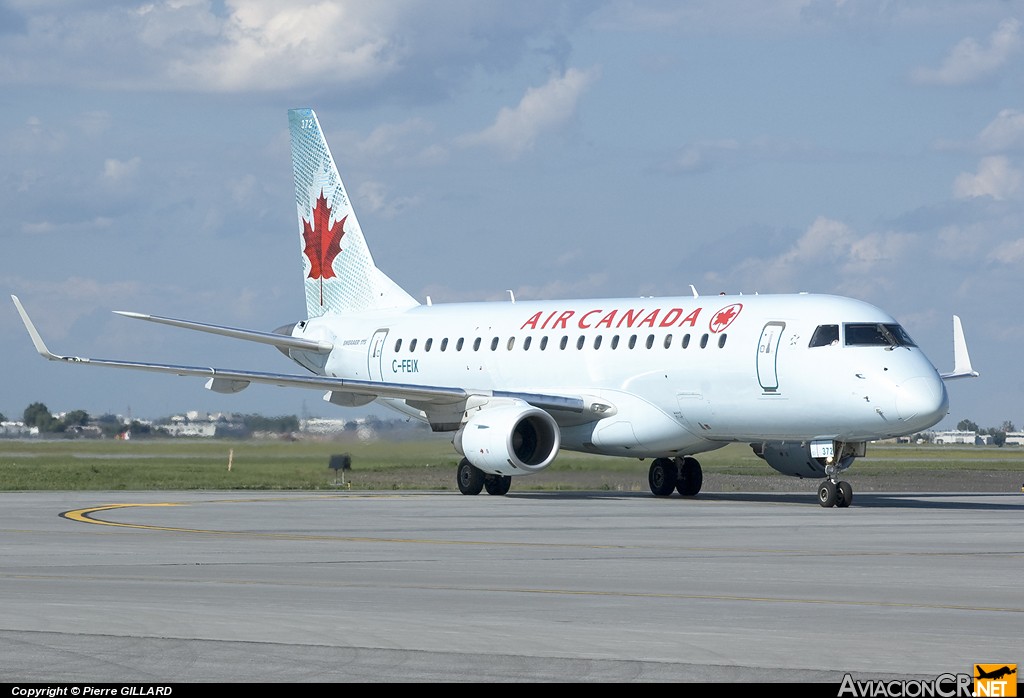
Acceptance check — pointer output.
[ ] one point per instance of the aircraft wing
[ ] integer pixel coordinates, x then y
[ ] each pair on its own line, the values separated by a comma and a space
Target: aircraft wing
961, 358
226, 380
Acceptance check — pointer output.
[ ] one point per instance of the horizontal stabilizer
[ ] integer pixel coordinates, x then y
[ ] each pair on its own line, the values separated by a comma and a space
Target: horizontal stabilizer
278, 340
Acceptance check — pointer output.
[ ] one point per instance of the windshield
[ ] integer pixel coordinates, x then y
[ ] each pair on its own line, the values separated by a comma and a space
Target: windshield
876, 334
825, 335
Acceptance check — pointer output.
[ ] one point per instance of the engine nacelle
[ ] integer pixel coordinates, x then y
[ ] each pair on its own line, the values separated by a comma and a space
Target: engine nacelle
510, 439
790, 458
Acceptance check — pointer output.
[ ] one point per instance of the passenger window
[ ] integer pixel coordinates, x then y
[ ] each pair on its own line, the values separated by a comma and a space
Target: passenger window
721, 341
494, 344
458, 344
476, 344
564, 342
825, 335
543, 342
597, 342
650, 341
526, 343
398, 345
668, 341
703, 341
444, 344
632, 341
615, 342
686, 340
579, 342
511, 343
428, 344
412, 346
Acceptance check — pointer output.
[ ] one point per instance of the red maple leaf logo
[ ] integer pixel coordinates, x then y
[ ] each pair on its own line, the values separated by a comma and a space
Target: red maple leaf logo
323, 242
724, 317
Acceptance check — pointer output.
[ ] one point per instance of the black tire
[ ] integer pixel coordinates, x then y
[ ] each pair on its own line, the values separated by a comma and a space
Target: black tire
662, 476
497, 485
691, 477
827, 494
469, 477
844, 494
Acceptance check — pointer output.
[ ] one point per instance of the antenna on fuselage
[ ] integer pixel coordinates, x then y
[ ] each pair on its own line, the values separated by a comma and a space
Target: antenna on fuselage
694, 290
511, 295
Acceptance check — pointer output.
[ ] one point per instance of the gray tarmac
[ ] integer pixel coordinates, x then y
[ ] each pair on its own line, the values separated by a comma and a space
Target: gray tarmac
532, 587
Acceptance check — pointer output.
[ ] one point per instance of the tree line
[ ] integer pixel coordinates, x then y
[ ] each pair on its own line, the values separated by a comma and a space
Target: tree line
998, 434
38, 415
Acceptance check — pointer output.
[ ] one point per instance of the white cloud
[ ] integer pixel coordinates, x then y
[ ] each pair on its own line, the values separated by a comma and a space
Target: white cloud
274, 44
540, 110
970, 61
373, 197
829, 256
995, 178
409, 49
1005, 132
118, 170
1011, 252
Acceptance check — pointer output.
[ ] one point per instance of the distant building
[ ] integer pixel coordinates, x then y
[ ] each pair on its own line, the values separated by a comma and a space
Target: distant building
1014, 438
954, 436
204, 429
16, 429
320, 425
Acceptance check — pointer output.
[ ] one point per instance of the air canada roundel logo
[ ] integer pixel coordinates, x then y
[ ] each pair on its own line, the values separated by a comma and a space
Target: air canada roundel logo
724, 317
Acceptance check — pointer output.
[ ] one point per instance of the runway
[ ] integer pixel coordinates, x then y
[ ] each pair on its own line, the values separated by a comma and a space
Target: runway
430, 586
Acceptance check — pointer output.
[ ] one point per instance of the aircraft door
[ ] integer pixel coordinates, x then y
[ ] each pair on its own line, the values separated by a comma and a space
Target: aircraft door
767, 354
375, 355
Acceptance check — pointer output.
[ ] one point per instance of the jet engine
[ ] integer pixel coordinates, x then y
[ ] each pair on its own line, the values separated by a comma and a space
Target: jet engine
790, 458
510, 439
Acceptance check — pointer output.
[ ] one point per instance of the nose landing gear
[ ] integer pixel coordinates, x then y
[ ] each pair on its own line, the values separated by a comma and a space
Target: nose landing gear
833, 492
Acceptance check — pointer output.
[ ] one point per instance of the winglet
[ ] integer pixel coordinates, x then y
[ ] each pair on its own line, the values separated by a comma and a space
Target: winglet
37, 340
961, 358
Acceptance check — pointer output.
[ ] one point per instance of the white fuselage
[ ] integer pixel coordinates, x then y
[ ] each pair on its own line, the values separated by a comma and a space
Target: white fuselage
682, 374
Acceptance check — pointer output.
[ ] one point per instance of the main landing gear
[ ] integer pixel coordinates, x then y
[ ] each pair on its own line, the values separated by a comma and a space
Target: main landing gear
472, 480
835, 494
681, 474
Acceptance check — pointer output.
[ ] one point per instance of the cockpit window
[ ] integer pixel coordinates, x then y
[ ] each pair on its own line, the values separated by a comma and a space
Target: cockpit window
876, 334
825, 335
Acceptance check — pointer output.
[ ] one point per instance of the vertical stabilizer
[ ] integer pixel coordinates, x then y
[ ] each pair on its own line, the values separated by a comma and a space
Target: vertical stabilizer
338, 270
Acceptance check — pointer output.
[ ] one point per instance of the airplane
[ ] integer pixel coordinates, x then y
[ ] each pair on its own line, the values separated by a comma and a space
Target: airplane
995, 674
805, 379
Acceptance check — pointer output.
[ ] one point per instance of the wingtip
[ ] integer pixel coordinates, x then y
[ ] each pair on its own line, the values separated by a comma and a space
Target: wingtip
33, 333
962, 367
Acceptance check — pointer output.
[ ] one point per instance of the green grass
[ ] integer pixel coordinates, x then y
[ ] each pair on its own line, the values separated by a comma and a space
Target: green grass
426, 463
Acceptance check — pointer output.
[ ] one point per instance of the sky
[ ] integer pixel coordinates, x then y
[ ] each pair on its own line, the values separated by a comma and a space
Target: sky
561, 149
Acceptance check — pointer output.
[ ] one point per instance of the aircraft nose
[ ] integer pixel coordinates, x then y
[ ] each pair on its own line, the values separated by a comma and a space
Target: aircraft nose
922, 401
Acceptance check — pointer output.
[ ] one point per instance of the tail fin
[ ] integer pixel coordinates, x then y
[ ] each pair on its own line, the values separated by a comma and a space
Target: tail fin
340, 275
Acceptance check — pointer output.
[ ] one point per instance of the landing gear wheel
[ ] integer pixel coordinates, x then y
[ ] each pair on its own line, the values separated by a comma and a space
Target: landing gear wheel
497, 484
844, 494
470, 477
690, 477
662, 476
827, 494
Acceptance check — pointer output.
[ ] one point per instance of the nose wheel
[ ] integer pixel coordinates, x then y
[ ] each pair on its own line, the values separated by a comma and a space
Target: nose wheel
835, 494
